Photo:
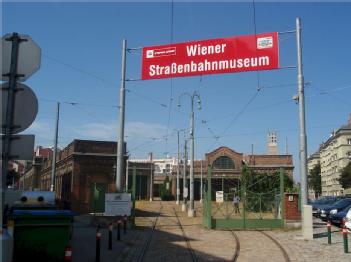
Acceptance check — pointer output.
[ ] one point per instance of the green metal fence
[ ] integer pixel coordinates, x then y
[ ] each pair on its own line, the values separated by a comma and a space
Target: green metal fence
240, 206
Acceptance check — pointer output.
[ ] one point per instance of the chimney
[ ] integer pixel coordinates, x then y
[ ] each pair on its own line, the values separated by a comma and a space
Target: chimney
350, 119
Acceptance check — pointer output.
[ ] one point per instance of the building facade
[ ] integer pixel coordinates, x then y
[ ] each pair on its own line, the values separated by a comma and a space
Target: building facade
227, 165
335, 154
85, 171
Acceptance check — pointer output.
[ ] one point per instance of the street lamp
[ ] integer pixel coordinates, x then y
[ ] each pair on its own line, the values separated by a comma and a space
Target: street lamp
191, 210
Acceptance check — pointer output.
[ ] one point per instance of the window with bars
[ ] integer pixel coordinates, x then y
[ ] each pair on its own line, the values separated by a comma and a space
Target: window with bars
223, 162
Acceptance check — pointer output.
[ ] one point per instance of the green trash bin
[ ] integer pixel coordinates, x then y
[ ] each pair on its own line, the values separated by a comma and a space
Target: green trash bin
41, 235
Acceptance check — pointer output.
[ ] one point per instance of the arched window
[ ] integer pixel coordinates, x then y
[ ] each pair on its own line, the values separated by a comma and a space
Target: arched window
223, 162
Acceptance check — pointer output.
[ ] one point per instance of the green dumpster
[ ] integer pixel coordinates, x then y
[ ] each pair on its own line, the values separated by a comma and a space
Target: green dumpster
41, 235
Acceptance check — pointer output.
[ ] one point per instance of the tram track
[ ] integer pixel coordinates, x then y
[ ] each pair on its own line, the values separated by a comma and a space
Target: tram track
188, 245
282, 249
275, 241
237, 246
147, 244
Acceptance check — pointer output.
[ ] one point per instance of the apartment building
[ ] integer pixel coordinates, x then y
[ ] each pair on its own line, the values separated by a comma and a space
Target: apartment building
335, 154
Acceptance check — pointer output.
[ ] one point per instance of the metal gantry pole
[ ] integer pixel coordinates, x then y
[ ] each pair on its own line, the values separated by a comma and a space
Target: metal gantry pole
302, 137
120, 144
53, 164
301, 95
178, 171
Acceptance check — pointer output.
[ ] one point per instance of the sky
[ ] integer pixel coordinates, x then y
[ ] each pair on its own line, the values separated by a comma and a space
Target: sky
81, 68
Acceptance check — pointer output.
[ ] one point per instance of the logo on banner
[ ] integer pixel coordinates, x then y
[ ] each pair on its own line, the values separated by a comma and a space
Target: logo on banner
264, 42
161, 52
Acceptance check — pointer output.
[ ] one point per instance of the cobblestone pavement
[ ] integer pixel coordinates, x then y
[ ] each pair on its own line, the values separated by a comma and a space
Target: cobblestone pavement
168, 241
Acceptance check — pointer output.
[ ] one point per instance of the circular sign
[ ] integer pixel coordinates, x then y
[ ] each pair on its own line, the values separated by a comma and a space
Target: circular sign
25, 107
29, 55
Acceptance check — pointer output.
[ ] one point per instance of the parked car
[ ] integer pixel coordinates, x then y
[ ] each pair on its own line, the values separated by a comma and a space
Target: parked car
348, 221
319, 204
339, 216
334, 208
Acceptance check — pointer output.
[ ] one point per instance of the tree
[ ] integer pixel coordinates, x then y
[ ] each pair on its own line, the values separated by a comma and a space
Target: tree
315, 181
345, 177
165, 190
263, 189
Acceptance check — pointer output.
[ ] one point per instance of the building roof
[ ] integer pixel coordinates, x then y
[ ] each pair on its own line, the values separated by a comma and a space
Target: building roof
314, 155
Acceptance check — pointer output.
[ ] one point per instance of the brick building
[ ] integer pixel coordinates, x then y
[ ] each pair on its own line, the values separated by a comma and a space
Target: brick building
227, 166
83, 168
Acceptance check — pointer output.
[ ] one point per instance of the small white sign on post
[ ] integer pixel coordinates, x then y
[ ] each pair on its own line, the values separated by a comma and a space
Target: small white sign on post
118, 204
185, 193
219, 196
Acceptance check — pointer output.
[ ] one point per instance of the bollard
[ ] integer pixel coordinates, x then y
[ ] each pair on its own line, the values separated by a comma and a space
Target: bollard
346, 243
98, 239
329, 232
68, 254
125, 224
119, 230
110, 228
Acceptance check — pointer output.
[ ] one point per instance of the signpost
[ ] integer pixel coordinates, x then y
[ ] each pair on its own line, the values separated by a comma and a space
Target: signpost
222, 55
20, 59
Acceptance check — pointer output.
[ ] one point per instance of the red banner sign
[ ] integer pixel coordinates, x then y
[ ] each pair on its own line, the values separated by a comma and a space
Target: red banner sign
216, 56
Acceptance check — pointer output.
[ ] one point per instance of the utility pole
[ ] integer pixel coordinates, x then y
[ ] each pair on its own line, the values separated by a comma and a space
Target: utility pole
201, 197
151, 178
191, 210
185, 188
127, 176
53, 164
301, 96
178, 171
120, 143
306, 224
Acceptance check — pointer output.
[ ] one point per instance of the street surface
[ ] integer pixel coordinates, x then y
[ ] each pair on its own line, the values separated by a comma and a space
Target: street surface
179, 238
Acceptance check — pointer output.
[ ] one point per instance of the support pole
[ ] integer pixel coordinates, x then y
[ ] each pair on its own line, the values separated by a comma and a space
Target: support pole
127, 176
184, 178
133, 196
6, 145
209, 197
151, 179
302, 137
191, 211
178, 171
282, 204
53, 164
120, 144
201, 184
329, 232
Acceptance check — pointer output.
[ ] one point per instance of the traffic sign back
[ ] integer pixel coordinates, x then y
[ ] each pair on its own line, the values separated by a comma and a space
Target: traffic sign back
29, 56
25, 107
